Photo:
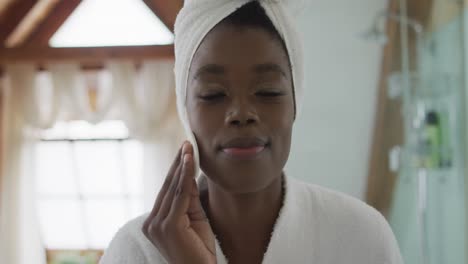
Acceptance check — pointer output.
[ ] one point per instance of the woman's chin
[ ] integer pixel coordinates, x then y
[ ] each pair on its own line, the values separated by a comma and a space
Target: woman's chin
243, 182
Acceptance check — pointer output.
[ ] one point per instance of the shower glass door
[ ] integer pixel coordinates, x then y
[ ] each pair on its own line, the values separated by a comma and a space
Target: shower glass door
428, 212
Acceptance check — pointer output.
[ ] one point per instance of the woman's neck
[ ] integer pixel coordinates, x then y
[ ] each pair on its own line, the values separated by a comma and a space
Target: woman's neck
244, 222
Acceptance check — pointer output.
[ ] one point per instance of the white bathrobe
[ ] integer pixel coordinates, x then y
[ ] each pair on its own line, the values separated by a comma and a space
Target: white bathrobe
315, 225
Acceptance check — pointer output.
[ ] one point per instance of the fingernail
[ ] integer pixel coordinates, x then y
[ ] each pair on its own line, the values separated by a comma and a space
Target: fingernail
186, 158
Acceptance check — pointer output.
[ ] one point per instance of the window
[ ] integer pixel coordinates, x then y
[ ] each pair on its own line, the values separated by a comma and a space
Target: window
89, 183
120, 23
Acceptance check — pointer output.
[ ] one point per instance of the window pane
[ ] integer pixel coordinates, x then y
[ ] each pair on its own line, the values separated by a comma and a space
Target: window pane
59, 130
55, 170
61, 224
111, 129
106, 175
136, 207
94, 24
106, 129
99, 167
104, 218
133, 157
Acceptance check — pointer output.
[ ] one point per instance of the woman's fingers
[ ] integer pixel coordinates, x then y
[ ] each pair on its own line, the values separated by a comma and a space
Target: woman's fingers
198, 220
167, 200
167, 181
181, 201
164, 188
195, 211
174, 226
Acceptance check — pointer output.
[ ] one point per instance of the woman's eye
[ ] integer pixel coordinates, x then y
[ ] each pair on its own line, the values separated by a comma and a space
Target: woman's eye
269, 93
212, 97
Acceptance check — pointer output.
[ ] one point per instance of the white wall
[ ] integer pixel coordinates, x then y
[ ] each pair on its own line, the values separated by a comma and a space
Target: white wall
332, 137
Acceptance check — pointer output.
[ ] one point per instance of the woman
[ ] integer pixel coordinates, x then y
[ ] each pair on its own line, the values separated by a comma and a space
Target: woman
239, 73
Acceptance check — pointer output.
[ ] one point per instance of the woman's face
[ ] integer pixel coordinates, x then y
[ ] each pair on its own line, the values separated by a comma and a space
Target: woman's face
241, 108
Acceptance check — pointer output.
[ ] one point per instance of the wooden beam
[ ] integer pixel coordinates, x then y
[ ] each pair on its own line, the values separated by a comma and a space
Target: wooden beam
388, 128
88, 58
29, 23
378, 193
4, 4
420, 10
166, 10
2, 139
12, 16
85, 66
54, 19
444, 12
85, 55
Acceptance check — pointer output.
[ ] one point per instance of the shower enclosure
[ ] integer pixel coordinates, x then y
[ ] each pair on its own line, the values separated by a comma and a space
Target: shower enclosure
428, 213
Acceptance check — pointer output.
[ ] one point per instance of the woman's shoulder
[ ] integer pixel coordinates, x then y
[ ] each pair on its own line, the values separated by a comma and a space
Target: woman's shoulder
344, 220
331, 201
134, 226
130, 245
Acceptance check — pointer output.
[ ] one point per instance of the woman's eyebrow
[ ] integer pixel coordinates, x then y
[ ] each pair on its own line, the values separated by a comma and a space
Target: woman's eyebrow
210, 69
269, 67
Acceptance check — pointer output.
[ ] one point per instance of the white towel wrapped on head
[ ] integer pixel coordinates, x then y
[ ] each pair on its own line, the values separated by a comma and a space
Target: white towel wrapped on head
195, 21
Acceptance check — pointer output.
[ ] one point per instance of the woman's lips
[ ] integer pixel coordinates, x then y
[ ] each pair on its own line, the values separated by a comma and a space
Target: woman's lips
246, 152
244, 147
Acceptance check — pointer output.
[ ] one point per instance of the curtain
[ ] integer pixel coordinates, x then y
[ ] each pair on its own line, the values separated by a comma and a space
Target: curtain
143, 98
19, 232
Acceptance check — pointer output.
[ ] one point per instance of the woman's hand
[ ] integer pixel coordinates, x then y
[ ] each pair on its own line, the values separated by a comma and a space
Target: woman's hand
177, 225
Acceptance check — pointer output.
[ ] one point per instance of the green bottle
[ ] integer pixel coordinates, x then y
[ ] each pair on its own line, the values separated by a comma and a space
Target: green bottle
446, 155
432, 140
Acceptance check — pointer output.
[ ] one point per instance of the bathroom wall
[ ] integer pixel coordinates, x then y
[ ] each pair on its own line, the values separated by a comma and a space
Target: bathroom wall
332, 136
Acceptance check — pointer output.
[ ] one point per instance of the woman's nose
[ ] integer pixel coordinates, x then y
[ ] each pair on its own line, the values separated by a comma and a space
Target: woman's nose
241, 114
